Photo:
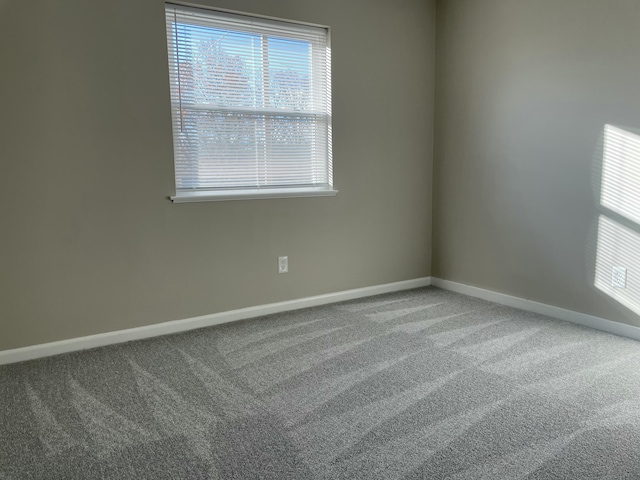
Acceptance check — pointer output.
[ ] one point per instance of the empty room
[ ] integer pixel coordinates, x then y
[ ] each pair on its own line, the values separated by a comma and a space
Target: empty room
304, 239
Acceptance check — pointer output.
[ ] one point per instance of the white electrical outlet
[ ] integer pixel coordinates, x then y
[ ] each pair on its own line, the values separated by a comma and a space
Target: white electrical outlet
619, 277
283, 264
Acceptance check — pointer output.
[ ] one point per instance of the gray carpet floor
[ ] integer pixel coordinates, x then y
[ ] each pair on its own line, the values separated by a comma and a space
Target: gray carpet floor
422, 384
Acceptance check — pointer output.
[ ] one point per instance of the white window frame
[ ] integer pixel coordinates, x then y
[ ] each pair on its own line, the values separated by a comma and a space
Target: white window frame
204, 194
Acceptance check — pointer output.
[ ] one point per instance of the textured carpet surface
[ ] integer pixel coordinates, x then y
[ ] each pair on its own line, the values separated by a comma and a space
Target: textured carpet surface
424, 384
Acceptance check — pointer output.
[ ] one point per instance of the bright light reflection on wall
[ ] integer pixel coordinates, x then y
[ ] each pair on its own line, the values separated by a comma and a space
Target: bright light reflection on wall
619, 246
620, 190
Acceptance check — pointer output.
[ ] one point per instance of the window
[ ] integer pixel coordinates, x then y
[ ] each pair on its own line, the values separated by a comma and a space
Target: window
251, 106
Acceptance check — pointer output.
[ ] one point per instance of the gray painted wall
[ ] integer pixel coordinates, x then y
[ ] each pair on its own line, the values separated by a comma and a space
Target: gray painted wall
524, 90
90, 243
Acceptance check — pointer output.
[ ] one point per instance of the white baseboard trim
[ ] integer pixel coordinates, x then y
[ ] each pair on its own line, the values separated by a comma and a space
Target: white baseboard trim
175, 326
617, 328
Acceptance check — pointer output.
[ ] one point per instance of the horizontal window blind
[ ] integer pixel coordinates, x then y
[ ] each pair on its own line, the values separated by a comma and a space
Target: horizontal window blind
251, 101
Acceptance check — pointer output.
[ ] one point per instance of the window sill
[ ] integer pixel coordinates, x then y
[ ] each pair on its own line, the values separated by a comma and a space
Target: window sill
249, 194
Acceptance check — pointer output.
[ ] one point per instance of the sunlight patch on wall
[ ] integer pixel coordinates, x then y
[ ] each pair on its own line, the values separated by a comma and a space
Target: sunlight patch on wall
620, 189
618, 246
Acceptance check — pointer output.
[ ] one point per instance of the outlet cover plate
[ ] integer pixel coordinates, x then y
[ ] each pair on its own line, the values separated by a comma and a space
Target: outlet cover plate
283, 264
619, 277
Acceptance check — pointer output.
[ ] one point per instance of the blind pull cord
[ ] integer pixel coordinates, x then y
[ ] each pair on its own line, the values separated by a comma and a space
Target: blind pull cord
175, 26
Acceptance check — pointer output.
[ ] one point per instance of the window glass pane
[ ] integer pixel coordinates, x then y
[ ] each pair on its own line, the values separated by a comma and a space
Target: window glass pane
289, 74
219, 66
219, 149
